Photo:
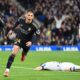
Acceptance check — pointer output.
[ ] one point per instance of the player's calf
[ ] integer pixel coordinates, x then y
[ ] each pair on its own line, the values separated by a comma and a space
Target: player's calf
24, 53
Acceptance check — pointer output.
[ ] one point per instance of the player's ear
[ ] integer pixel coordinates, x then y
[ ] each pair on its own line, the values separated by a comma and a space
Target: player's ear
33, 16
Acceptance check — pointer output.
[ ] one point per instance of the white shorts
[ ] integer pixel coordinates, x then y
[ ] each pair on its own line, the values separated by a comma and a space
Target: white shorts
66, 66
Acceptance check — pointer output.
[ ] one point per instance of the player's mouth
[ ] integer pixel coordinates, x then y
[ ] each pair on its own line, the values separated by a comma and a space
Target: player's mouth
29, 19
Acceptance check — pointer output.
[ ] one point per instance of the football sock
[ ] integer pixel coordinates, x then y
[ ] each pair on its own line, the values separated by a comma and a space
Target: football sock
75, 68
25, 51
10, 61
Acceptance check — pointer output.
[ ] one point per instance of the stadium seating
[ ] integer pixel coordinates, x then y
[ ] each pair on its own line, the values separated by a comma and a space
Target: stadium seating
49, 13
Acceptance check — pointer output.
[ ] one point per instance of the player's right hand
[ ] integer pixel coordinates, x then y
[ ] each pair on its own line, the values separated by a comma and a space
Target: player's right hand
11, 35
29, 43
10, 32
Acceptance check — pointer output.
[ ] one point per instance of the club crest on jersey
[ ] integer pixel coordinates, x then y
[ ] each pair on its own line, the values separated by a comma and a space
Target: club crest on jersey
29, 29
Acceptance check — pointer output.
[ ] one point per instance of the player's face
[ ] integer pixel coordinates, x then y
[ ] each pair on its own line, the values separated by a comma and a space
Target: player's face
29, 17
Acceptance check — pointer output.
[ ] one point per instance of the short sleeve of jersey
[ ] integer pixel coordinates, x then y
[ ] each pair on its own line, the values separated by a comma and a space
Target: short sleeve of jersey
37, 26
44, 65
1, 24
20, 20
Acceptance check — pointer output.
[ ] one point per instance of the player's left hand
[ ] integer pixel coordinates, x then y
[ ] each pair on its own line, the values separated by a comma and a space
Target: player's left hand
29, 43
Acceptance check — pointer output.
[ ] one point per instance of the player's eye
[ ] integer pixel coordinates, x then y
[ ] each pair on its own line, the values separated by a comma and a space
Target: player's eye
28, 15
31, 15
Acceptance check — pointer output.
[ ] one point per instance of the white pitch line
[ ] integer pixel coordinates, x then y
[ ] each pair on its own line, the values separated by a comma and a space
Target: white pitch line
41, 75
17, 67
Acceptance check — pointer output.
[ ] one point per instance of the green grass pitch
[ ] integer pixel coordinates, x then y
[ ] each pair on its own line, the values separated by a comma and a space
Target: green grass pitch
23, 70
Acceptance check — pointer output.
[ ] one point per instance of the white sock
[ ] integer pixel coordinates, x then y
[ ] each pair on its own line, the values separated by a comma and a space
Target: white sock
7, 69
77, 67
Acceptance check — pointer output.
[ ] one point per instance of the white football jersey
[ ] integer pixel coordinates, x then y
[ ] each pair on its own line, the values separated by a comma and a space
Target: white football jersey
51, 65
64, 66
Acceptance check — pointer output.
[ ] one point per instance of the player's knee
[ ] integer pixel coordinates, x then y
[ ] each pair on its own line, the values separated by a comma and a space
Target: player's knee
13, 54
15, 50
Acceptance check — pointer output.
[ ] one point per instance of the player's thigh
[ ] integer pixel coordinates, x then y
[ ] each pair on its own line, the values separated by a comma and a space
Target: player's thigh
15, 49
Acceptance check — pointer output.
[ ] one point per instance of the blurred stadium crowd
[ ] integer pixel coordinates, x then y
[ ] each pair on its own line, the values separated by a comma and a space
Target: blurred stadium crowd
59, 20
